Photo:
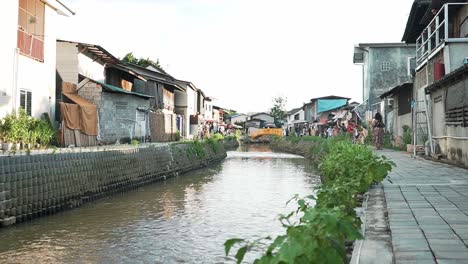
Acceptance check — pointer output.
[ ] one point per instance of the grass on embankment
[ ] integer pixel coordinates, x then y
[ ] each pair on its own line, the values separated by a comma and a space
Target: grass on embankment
323, 229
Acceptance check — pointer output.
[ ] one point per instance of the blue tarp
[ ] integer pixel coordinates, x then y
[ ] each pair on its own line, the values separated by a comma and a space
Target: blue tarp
330, 104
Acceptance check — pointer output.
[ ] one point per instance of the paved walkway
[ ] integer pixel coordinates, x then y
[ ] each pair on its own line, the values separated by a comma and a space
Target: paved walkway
427, 205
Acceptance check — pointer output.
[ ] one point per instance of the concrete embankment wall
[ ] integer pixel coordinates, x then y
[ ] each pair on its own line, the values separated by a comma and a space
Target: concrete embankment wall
36, 185
301, 148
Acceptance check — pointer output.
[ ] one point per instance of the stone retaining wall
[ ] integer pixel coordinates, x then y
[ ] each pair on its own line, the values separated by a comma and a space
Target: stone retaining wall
37, 185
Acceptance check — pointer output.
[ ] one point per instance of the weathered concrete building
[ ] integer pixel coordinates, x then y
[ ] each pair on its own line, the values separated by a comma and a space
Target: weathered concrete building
77, 61
186, 106
397, 109
440, 31
267, 118
238, 119
318, 109
123, 115
384, 66
295, 116
28, 51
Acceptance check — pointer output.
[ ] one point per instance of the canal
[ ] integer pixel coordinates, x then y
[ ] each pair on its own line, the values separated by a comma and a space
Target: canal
182, 220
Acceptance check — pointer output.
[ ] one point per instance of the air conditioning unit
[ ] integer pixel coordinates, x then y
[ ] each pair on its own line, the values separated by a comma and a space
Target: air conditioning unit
411, 67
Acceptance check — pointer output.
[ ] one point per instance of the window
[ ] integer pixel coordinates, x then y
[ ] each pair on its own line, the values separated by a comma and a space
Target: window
121, 108
140, 116
385, 66
296, 117
31, 28
25, 101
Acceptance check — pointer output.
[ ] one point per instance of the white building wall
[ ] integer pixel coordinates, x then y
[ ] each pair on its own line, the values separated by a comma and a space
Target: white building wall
208, 110
91, 68
9, 25
21, 72
67, 62
39, 77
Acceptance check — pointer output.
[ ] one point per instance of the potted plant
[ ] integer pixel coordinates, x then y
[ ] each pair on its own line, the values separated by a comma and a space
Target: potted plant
408, 138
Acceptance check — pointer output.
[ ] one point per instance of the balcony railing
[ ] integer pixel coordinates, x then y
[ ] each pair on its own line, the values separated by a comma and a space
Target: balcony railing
437, 33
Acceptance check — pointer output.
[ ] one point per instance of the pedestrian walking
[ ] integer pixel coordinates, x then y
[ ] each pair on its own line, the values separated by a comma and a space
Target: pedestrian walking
378, 128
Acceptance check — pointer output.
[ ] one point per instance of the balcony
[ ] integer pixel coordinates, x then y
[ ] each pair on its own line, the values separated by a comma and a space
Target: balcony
445, 27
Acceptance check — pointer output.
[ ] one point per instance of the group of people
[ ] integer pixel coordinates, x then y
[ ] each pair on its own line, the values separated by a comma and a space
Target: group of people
358, 133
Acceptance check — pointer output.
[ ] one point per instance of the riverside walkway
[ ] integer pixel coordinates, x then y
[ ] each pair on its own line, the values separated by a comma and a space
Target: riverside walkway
419, 214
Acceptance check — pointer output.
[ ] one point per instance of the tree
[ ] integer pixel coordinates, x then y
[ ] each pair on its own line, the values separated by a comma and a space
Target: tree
278, 110
130, 58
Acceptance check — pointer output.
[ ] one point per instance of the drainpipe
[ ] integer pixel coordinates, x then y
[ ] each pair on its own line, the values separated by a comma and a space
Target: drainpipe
363, 83
14, 91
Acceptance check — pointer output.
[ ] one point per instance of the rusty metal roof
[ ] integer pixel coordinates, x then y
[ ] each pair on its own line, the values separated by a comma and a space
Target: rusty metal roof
96, 50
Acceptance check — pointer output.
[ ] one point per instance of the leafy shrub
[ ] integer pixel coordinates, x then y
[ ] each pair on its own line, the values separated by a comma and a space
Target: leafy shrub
217, 137
21, 128
321, 233
407, 135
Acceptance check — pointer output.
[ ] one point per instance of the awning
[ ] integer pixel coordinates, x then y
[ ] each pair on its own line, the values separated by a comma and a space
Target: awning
116, 89
330, 104
396, 89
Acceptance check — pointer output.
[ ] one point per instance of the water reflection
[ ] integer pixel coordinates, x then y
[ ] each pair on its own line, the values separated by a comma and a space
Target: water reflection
182, 220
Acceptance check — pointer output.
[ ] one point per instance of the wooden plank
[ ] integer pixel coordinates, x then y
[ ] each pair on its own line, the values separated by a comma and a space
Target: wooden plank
77, 138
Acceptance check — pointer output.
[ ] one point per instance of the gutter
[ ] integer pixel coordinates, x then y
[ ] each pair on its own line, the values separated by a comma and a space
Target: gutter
64, 6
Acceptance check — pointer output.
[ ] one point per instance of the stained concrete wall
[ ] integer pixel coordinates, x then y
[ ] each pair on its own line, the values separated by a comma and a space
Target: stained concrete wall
378, 81
36, 185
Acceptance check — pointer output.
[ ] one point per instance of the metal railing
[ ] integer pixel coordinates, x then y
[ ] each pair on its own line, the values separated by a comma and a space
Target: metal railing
435, 34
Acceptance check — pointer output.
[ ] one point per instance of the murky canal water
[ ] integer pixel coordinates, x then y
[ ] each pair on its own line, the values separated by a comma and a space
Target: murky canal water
183, 220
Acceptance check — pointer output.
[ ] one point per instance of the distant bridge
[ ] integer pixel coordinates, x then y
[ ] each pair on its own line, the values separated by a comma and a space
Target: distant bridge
267, 132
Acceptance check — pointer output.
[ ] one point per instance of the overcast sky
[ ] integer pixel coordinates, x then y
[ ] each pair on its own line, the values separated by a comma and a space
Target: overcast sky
244, 52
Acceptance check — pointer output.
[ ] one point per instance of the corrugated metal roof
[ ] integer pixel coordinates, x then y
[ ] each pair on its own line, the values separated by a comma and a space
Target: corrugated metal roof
116, 89
447, 78
149, 74
95, 50
413, 25
396, 89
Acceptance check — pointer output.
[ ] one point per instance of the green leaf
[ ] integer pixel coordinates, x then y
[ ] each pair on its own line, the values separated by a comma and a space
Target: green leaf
231, 242
240, 254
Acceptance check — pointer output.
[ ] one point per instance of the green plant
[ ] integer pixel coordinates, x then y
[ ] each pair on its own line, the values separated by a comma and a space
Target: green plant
217, 137
135, 142
213, 143
320, 235
407, 135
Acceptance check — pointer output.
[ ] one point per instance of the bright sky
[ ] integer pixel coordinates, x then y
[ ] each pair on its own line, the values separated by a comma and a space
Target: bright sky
245, 52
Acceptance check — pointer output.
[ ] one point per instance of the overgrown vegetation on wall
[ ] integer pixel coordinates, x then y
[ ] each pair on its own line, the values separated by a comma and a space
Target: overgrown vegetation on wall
326, 225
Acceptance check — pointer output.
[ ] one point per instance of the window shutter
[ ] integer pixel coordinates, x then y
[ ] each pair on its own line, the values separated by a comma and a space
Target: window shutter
28, 103
23, 99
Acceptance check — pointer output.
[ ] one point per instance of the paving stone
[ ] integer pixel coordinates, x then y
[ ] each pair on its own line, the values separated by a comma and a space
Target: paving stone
425, 261
410, 244
451, 255
413, 255
447, 245
451, 261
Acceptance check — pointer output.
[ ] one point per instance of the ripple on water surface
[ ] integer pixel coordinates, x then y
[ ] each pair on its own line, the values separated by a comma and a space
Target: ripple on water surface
182, 220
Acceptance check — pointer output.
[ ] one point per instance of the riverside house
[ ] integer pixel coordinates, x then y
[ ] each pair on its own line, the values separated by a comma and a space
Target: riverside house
294, 116
153, 82
113, 114
439, 29
186, 106
384, 66
318, 110
28, 55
